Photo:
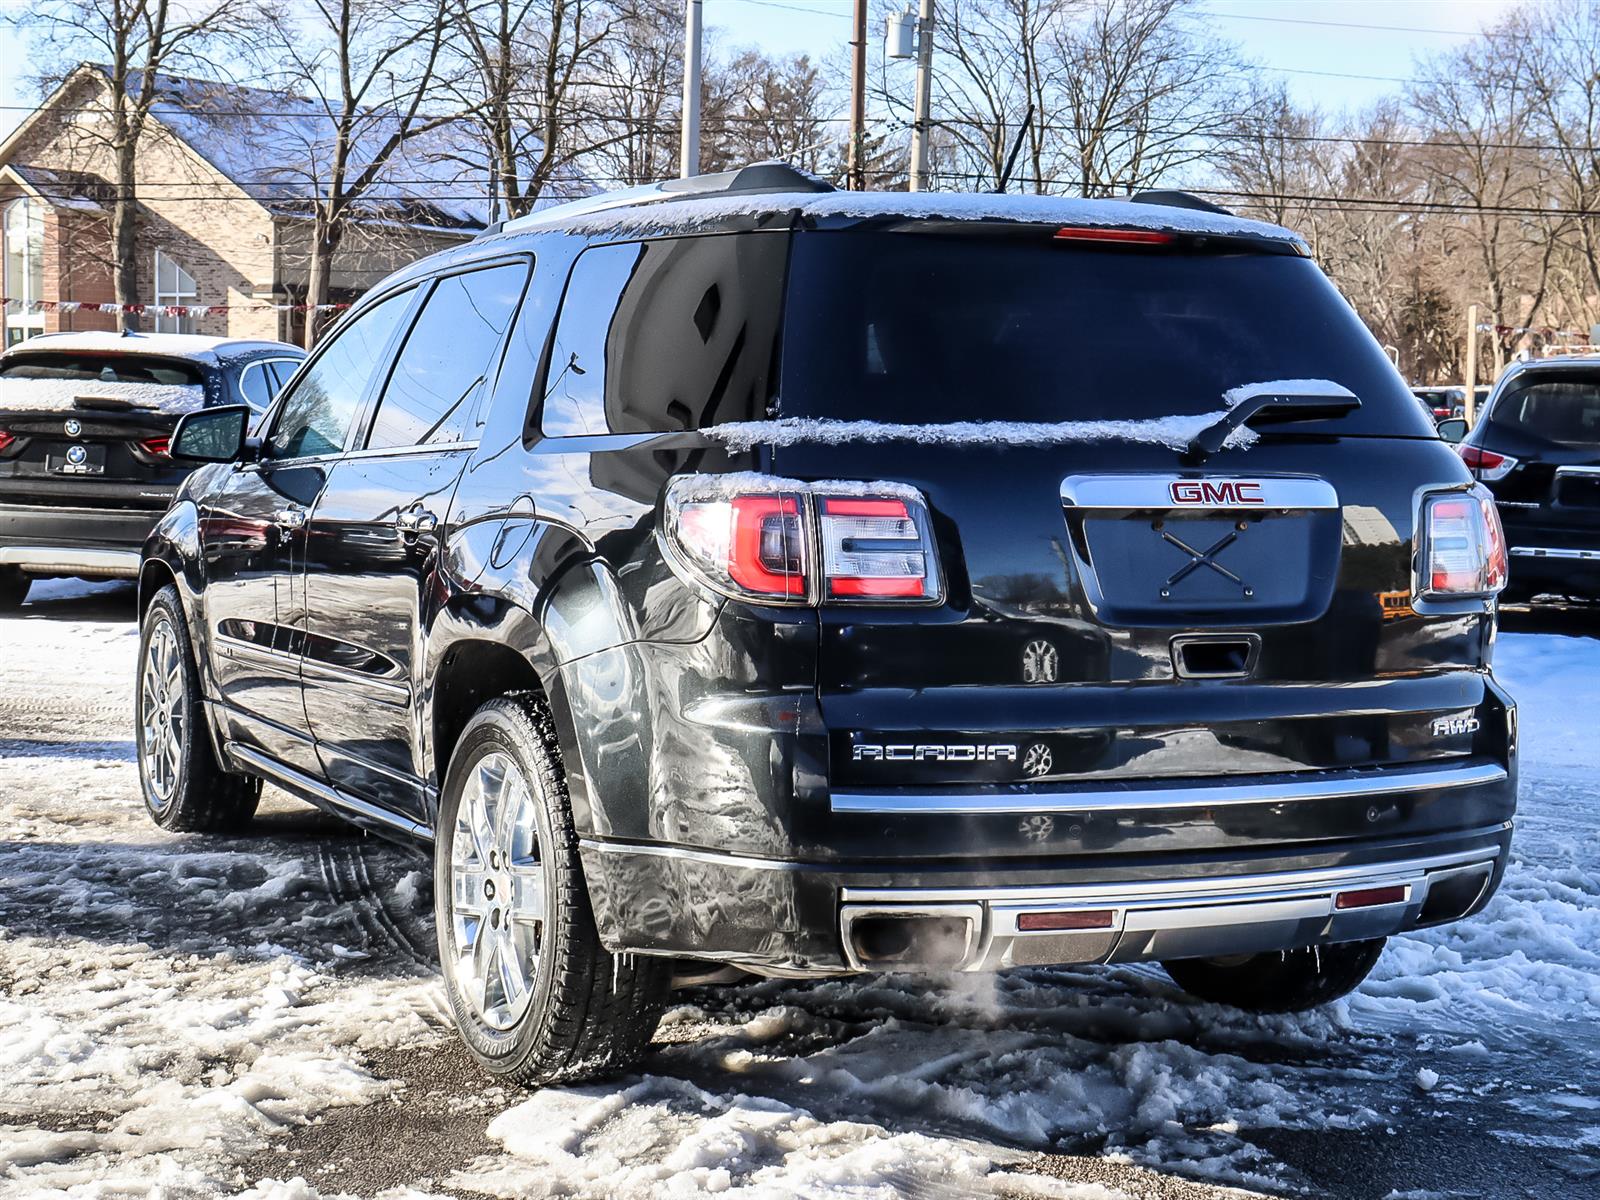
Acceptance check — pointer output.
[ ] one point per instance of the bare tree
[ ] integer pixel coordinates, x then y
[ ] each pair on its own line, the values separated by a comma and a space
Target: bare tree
133, 43
371, 68
635, 92
525, 65
758, 107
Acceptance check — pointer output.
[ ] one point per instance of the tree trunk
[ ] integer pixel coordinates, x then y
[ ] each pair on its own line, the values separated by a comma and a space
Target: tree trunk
124, 237
324, 241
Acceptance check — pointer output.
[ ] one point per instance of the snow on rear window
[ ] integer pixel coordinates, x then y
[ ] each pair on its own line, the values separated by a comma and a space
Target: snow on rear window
1174, 432
67, 395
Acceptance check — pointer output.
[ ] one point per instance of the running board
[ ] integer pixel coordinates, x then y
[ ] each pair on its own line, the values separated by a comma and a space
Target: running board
322, 795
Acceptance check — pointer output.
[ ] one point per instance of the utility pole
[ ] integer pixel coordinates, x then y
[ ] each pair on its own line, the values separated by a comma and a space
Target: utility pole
1472, 365
689, 149
858, 100
924, 96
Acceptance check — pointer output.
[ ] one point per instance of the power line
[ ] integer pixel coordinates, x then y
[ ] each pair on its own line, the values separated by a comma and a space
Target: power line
1226, 16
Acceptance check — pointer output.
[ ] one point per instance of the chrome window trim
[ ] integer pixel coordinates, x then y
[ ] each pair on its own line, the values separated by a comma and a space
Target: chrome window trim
1296, 493
1169, 796
1555, 552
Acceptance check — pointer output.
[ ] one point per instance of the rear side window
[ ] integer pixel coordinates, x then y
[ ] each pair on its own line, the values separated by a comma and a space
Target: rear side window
666, 335
318, 415
1565, 410
432, 392
923, 328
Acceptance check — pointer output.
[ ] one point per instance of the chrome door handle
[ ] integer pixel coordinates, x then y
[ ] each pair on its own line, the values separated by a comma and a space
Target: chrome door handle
290, 518
415, 521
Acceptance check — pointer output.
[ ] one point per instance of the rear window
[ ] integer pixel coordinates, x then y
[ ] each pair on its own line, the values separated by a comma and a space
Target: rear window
1565, 410
928, 328
100, 368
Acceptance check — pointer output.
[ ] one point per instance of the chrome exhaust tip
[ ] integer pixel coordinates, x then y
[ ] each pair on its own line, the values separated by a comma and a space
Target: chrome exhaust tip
886, 937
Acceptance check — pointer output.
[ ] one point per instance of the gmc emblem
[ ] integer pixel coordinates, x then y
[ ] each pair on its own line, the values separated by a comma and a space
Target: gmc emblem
1224, 493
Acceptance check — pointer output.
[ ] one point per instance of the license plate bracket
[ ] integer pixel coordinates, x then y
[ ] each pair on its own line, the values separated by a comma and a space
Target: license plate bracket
78, 459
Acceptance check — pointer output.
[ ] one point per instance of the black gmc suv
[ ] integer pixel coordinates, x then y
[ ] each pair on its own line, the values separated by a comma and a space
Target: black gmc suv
737, 577
1537, 449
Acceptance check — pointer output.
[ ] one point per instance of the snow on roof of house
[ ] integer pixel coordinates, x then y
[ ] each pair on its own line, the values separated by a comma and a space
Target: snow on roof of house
665, 210
277, 147
193, 346
60, 189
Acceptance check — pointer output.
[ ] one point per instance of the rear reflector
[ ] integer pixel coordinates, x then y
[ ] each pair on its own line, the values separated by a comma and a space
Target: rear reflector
1123, 237
6, 439
1099, 918
1371, 897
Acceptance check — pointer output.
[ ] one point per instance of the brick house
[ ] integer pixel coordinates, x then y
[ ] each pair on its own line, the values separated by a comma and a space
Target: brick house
226, 176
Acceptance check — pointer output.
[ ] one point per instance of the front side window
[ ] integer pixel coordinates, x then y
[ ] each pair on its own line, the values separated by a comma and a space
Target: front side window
174, 285
318, 415
22, 268
660, 336
433, 390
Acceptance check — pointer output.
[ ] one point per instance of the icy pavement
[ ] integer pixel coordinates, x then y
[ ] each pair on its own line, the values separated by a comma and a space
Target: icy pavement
192, 1016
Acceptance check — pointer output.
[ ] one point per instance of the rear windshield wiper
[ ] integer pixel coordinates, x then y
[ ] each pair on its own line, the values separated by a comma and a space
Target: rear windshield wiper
1292, 400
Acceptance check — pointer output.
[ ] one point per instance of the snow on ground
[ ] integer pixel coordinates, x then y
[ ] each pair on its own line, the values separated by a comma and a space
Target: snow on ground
174, 1007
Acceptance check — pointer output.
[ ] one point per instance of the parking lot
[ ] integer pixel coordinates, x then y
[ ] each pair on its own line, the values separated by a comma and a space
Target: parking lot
198, 1014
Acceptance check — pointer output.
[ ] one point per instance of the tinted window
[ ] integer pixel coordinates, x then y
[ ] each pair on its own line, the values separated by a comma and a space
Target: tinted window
928, 328
102, 368
665, 335
1557, 410
257, 386
432, 393
318, 415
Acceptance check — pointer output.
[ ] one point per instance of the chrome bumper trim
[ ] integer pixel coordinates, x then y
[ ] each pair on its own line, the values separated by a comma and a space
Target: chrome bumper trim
1172, 918
1555, 552
69, 560
1322, 786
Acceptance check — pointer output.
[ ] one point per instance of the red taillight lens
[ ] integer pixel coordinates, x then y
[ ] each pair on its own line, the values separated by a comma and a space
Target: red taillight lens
6, 439
1463, 546
873, 548
1122, 237
1486, 464
744, 540
158, 446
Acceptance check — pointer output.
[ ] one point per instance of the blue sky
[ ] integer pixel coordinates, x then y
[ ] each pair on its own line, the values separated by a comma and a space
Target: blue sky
1317, 60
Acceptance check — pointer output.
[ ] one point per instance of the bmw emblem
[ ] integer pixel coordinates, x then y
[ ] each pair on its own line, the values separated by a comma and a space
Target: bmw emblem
73, 427
76, 455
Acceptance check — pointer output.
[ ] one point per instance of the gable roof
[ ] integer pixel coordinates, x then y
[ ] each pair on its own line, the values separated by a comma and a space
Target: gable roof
276, 146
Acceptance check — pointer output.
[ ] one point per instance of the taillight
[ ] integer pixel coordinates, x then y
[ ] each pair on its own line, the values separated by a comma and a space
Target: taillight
156, 446
1463, 546
757, 538
874, 548
1486, 464
6, 439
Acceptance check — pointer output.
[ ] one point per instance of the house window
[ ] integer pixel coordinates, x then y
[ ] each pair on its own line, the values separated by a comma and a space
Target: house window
22, 276
174, 285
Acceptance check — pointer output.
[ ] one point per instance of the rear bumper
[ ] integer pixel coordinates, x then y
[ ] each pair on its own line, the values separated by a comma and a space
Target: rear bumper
58, 540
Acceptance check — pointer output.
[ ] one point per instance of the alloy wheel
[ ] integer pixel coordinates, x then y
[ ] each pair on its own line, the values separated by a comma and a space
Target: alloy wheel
163, 713
497, 898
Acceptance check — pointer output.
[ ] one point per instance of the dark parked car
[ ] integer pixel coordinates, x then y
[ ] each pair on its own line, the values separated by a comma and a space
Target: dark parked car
743, 578
84, 424
1537, 449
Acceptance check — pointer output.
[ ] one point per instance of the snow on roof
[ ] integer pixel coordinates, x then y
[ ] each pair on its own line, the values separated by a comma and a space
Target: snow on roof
193, 346
61, 189
663, 213
277, 147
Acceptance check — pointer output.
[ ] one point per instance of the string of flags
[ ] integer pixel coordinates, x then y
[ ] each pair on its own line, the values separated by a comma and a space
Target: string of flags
159, 310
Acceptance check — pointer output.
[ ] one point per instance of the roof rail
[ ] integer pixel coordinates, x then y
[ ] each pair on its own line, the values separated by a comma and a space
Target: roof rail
1175, 199
754, 180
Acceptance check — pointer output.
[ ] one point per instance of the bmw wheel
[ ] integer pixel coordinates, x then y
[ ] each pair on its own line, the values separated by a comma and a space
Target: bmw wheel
185, 789
534, 994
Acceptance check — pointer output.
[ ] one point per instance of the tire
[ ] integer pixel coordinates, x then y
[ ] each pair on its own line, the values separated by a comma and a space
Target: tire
1280, 981
185, 788
535, 996
14, 587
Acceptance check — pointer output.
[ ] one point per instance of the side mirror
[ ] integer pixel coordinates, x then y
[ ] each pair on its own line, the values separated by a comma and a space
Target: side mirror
212, 434
1453, 429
